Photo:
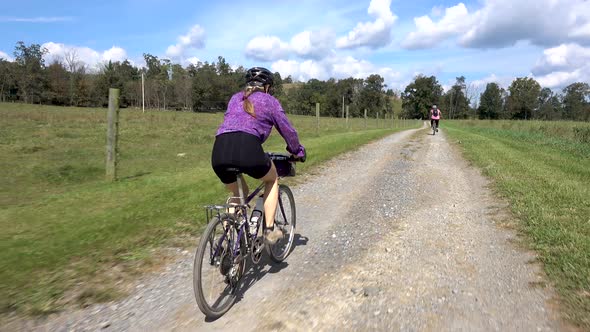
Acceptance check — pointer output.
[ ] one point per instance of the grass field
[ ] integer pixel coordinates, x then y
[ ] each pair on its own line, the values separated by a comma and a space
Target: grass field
70, 237
543, 170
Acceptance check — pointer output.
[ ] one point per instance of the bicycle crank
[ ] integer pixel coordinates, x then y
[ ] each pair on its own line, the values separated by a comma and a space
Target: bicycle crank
257, 248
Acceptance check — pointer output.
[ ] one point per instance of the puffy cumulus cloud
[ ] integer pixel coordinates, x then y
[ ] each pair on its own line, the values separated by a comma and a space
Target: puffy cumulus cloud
563, 65
502, 23
267, 48
336, 67
313, 44
307, 44
5, 56
114, 54
429, 33
371, 34
302, 70
90, 57
195, 38
58, 51
565, 57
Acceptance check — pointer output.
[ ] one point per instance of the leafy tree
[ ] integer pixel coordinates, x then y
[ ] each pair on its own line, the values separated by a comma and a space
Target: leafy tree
524, 97
278, 85
203, 88
31, 65
455, 101
576, 101
58, 84
349, 88
549, 105
420, 95
371, 96
491, 102
8, 85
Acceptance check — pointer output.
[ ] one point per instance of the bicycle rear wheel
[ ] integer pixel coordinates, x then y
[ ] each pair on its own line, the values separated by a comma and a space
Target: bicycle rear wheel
285, 219
215, 272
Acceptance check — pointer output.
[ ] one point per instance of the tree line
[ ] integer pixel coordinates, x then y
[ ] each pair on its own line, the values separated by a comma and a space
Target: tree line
201, 87
206, 87
524, 99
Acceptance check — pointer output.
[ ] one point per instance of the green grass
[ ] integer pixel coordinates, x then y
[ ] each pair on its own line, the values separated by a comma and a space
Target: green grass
70, 237
545, 175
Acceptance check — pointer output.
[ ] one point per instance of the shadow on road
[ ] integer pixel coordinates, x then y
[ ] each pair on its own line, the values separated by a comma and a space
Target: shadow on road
255, 272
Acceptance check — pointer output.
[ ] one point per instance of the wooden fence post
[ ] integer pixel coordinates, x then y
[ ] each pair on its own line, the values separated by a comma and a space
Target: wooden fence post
365, 119
317, 115
347, 114
112, 134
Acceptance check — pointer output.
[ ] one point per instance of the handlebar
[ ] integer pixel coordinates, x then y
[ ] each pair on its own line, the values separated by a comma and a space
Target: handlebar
285, 157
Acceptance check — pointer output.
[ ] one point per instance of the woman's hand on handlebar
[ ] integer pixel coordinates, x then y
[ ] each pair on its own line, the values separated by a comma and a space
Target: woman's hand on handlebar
301, 155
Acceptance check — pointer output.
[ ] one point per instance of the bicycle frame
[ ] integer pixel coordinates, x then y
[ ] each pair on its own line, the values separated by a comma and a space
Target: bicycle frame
214, 210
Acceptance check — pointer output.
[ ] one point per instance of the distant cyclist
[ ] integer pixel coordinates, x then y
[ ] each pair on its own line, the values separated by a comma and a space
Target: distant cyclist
435, 116
249, 119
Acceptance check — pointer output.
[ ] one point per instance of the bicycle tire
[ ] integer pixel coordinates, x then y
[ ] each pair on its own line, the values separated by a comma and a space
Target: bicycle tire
285, 218
219, 306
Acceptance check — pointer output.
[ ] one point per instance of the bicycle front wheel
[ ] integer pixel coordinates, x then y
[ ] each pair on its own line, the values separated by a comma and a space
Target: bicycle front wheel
215, 272
285, 219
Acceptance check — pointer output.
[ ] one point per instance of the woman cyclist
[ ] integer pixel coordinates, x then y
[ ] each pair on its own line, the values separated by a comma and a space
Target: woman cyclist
435, 116
248, 121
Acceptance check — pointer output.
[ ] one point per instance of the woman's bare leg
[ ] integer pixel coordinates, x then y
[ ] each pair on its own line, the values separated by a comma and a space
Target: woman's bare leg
271, 195
233, 188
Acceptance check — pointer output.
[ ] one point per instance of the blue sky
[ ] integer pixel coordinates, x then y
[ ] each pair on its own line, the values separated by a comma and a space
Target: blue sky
485, 40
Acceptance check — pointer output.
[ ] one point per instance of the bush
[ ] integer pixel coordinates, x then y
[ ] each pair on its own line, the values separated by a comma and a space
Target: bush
582, 134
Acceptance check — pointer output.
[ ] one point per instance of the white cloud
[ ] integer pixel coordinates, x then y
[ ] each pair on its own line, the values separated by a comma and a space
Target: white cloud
336, 67
313, 44
57, 51
319, 44
429, 33
92, 58
563, 65
195, 38
306, 44
114, 54
484, 81
5, 56
503, 23
41, 19
267, 48
371, 34
191, 61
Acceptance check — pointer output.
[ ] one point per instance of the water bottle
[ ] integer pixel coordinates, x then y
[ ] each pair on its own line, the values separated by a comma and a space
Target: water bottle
256, 214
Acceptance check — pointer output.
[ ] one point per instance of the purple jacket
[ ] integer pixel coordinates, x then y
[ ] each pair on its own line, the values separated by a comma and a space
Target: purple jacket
268, 112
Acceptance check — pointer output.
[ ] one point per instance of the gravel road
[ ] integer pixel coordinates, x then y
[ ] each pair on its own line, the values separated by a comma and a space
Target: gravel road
401, 234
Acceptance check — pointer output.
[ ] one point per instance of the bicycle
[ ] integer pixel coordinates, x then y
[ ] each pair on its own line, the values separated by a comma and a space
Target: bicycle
231, 236
434, 126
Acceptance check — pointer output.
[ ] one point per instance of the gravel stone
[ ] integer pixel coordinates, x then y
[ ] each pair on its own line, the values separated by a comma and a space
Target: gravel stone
410, 193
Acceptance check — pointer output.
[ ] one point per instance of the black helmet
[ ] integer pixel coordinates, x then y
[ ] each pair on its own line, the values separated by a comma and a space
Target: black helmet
258, 76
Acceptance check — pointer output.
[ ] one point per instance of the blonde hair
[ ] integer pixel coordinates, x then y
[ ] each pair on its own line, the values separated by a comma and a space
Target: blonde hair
248, 107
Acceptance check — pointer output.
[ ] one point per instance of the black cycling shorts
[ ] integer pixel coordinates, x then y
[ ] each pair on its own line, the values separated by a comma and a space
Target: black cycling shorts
242, 151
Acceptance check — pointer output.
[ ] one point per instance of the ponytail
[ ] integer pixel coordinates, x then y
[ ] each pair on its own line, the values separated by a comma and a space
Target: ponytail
248, 107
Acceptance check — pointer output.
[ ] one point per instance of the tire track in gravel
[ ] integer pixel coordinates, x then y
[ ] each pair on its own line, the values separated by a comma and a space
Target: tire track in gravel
399, 235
